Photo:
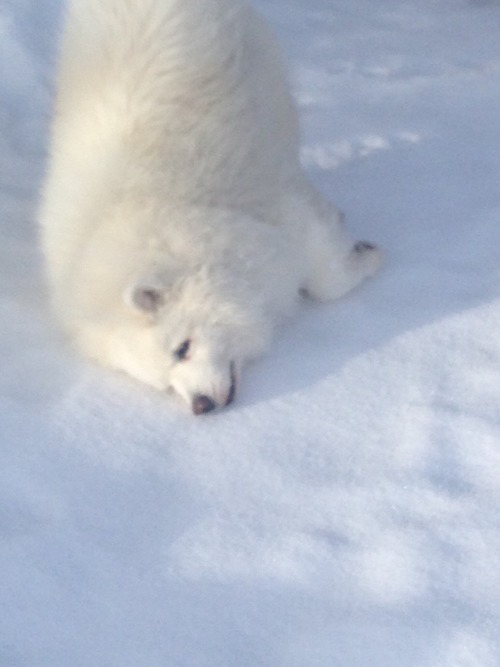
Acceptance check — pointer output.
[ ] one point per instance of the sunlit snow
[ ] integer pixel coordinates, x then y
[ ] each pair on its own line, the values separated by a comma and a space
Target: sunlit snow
345, 512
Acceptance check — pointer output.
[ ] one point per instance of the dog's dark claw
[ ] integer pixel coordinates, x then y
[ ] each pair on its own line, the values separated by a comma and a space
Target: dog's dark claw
363, 246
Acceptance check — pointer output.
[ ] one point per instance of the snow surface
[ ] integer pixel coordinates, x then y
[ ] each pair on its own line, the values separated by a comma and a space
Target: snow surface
345, 512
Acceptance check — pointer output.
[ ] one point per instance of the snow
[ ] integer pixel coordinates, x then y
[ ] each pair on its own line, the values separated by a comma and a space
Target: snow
345, 512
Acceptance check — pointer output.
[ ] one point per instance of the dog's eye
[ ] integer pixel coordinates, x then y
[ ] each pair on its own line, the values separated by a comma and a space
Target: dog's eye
183, 350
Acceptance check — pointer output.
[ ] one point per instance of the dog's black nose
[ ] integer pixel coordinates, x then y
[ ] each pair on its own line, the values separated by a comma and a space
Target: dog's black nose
203, 404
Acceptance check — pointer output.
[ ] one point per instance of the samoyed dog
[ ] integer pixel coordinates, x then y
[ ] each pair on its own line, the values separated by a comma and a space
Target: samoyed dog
177, 223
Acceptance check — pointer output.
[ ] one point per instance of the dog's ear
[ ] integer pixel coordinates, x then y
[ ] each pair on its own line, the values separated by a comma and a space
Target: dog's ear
146, 296
150, 291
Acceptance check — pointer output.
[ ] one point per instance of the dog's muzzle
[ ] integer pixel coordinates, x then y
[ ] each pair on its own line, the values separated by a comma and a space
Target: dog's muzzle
203, 404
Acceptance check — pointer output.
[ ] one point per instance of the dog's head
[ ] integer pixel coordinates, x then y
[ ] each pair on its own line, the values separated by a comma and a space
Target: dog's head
201, 336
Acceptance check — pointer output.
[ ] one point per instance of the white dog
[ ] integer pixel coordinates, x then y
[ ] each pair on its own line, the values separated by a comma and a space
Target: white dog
177, 223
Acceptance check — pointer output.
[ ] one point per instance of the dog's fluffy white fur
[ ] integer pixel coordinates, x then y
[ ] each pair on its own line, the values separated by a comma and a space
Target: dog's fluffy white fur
177, 223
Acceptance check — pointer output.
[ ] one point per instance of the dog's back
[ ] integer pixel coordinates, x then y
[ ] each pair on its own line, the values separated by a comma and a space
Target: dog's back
177, 99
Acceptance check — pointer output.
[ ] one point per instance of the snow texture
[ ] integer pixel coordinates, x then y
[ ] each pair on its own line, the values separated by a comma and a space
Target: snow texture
345, 511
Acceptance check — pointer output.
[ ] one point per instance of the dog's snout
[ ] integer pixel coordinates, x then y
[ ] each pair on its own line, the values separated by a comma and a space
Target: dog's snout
203, 404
